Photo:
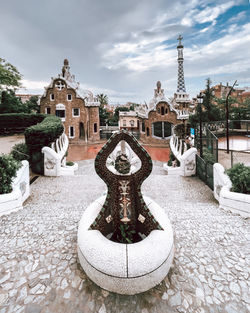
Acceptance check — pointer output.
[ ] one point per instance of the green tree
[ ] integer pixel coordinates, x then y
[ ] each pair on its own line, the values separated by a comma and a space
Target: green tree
9, 76
11, 104
32, 104
103, 116
210, 111
103, 99
115, 118
239, 112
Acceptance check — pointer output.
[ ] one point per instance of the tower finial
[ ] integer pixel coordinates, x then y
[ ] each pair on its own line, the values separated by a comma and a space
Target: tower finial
65, 68
180, 39
181, 82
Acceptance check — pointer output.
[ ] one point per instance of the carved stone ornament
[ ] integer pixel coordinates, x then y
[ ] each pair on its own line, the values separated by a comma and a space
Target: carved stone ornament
50, 163
218, 189
23, 187
190, 165
124, 202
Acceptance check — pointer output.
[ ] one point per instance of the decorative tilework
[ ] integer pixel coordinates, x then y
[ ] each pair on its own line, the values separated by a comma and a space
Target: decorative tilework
124, 206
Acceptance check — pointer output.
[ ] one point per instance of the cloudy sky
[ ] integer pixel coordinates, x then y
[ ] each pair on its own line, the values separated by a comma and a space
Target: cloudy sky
122, 48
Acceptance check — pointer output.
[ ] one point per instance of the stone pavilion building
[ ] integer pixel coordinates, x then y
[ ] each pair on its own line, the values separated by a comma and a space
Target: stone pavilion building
158, 117
77, 108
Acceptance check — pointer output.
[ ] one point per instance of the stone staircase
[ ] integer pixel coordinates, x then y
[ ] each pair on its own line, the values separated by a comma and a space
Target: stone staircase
40, 270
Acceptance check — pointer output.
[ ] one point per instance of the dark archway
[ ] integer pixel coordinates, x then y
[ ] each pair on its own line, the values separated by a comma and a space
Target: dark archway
162, 129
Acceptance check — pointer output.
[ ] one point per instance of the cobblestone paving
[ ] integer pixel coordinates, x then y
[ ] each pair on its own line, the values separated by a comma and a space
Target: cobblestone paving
40, 273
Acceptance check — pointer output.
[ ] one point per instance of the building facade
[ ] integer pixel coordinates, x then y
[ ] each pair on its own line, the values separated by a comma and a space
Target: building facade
157, 119
77, 108
128, 120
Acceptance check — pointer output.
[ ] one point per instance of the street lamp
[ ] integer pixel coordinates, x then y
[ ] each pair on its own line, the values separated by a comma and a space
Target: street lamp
200, 101
227, 115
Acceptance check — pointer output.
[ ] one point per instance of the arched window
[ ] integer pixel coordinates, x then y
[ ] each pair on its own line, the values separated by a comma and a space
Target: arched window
162, 129
158, 111
147, 131
166, 111
60, 111
162, 110
95, 127
132, 123
71, 132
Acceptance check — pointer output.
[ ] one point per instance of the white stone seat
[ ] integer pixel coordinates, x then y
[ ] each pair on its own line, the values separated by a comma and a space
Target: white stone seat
125, 268
55, 159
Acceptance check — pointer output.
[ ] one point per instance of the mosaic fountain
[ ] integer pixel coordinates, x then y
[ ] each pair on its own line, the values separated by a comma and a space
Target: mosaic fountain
125, 240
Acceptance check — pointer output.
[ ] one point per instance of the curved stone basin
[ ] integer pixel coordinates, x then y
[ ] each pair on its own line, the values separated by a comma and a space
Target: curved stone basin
125, 268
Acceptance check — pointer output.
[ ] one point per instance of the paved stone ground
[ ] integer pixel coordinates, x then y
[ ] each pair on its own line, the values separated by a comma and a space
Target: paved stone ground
40, 273
7, 142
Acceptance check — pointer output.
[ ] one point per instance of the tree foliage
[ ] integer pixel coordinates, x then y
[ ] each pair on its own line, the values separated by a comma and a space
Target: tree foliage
8, 170
103, 116
114, 120
210, 111
32, 104
240, 177
10, 103
103, 99
9, 76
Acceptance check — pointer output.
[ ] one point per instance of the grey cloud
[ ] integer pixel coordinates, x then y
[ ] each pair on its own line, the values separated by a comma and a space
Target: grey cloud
37, 35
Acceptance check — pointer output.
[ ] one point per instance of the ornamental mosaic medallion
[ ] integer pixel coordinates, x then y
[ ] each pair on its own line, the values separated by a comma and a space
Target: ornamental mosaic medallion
124, 207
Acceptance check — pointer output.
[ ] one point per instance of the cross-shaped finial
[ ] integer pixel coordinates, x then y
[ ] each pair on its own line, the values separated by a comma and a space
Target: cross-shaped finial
180, 39
60, 85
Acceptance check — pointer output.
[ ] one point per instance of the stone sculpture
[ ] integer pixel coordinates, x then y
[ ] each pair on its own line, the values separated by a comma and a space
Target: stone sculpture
125, 242
124, 202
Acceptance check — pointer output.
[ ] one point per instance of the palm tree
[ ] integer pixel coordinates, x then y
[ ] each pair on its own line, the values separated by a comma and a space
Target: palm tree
103, 99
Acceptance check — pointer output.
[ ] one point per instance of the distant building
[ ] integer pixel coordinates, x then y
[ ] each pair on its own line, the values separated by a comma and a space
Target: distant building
77, 108
158, 117
221, 91
156, 120
25, 97
128, 120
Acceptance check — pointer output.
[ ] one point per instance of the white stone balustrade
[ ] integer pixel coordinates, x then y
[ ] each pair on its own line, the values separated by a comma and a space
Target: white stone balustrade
13, 201
231, 201
176, 145
185, 156
55, 158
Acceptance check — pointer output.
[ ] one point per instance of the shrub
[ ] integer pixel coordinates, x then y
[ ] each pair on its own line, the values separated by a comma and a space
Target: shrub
8, 171
122, 164
39, 136
239, 175
69, 163
17, 122
208, 157
20, 152
125, 234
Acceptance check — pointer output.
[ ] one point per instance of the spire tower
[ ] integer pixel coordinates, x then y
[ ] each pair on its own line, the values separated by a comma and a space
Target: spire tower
181, 98
181, 81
